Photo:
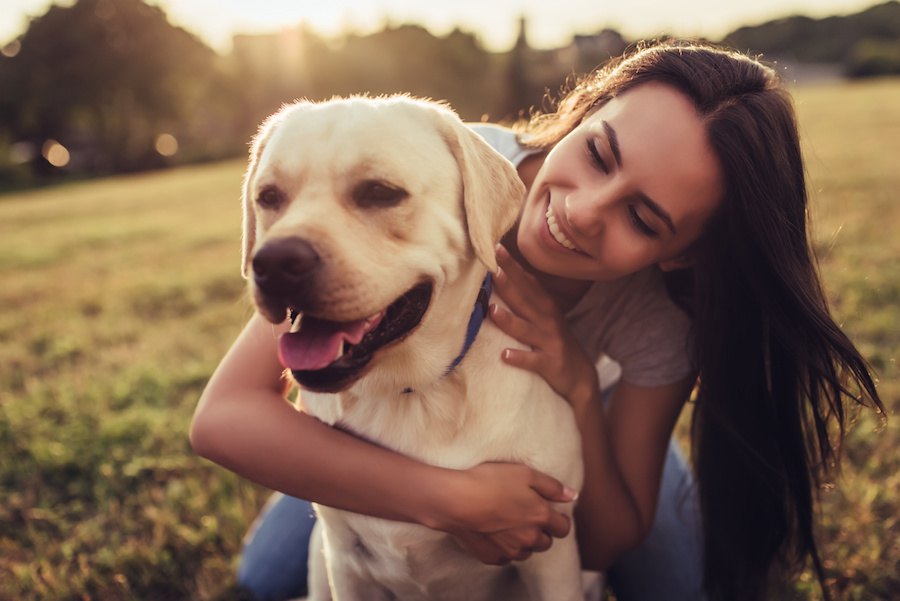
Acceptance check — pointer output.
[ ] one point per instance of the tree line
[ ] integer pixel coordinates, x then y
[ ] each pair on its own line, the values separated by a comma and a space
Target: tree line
110, 86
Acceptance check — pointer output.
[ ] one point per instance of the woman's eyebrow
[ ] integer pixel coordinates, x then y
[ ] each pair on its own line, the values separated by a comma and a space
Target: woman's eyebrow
613, 141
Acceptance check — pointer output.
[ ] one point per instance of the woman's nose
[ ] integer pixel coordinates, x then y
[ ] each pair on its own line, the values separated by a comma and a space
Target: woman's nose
585, 213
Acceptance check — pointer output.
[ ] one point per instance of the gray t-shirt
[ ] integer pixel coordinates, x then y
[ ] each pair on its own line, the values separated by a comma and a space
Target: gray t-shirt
629, 326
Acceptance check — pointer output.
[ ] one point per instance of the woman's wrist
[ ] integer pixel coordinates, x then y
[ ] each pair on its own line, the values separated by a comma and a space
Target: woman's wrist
584, 395
429, 505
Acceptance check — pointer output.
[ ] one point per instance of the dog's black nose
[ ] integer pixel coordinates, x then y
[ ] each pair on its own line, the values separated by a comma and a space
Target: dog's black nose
282, 264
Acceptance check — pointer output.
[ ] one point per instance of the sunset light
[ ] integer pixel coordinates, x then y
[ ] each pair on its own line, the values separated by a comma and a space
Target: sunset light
550, 24
691, 203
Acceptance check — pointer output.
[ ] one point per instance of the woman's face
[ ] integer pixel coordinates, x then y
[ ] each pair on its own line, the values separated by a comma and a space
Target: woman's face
630, 187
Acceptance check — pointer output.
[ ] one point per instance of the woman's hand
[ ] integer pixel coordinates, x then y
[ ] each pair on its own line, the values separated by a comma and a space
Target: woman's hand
504, 512
534, 319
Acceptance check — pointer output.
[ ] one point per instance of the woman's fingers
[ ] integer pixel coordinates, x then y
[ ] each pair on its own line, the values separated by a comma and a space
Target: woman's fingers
544, 541
558, 525
551, 489
514, 326
482, 548
527, 360
521, 291
502, 547
520, 543
522, 519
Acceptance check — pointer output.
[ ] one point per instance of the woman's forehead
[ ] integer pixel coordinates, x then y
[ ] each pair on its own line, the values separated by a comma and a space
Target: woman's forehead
664, 148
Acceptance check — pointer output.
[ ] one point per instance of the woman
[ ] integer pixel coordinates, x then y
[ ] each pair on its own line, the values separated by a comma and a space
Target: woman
672, 178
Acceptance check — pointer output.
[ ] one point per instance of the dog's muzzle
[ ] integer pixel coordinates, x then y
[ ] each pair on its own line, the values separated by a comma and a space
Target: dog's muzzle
325, 355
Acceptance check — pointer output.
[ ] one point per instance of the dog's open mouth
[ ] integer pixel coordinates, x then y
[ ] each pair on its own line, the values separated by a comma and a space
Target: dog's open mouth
327, 356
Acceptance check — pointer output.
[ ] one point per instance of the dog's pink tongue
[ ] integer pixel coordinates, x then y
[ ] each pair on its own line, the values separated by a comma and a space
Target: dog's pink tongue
317, 342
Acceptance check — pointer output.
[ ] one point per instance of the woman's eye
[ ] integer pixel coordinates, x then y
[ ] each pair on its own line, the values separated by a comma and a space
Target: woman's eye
595, 156
640, 224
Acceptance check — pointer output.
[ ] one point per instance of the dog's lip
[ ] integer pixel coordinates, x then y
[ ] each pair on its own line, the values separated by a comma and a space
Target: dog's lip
398, 321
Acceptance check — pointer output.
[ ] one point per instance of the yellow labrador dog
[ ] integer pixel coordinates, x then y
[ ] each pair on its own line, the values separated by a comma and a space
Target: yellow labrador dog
372, 223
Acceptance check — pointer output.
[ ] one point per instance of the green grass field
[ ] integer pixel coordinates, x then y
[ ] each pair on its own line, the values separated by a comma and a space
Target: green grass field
119, 296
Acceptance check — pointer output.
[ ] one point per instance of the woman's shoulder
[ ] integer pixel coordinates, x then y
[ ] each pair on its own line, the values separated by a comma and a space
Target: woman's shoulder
504, 140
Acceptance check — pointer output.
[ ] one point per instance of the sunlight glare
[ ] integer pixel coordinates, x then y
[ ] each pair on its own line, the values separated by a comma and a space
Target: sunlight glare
55, 153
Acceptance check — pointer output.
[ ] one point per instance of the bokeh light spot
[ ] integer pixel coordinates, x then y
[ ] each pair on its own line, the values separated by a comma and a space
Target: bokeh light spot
22, 152
55, 153
12, 49
166, 145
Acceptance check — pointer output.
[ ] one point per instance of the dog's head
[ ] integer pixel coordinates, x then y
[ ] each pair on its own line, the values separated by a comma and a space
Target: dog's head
357, 212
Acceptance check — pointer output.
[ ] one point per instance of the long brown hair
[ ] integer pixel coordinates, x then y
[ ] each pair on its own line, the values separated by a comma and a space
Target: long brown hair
775, 369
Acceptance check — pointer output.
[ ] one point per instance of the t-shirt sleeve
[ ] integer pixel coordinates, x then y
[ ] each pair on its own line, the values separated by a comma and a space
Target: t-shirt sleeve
503, 140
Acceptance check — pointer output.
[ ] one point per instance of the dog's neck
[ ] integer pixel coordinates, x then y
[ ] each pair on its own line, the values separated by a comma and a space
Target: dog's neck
476, 318
479, 312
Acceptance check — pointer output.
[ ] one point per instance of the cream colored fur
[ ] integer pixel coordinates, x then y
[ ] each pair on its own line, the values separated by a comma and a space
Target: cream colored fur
462, 196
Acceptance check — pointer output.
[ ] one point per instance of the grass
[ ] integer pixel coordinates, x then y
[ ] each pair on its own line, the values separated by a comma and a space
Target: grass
119, 296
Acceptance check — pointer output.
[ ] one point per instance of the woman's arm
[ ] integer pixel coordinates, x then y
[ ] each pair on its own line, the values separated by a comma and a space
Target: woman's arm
244, 423
624, 446
624, 452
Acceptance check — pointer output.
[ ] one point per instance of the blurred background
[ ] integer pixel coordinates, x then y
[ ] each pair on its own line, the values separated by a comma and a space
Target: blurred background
109, 86
124, 127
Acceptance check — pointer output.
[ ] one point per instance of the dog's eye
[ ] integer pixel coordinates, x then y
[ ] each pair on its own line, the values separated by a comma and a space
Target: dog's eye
270, 197
373, 193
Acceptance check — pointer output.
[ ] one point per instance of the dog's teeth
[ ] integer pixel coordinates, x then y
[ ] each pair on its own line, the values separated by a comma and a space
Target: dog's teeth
340, 351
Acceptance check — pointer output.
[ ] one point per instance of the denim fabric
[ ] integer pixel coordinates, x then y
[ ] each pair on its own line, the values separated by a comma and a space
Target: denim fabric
667, 565
273, 563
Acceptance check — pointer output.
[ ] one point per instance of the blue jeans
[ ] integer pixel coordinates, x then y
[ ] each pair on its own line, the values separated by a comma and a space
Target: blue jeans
668, 564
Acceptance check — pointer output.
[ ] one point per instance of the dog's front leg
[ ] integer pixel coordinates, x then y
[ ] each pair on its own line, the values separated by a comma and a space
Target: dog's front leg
317, 578
349, 585
555, 574
334, 575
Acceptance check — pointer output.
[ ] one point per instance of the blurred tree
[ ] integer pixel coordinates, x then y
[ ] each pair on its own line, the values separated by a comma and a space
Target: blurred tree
406, 59
874, 57
845, 39
105, 78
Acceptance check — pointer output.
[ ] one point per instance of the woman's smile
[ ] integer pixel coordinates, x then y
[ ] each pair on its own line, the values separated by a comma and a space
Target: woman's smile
628, 188
555, 231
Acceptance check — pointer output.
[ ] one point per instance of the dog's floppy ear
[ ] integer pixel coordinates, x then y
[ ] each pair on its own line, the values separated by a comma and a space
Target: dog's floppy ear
249, 226
492, 190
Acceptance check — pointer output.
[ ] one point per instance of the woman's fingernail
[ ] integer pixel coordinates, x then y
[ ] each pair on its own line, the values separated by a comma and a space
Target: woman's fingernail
570, 493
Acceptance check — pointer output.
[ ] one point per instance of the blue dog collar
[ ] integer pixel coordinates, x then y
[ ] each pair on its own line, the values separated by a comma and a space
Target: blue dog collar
479, 312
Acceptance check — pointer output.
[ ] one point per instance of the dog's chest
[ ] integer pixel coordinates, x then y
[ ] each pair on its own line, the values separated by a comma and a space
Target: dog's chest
412, 562
438, 427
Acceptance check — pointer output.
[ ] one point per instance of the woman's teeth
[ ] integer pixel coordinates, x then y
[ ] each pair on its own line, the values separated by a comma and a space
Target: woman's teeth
556, 232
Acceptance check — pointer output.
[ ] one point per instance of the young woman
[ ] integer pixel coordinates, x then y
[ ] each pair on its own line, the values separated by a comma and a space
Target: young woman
664, 228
